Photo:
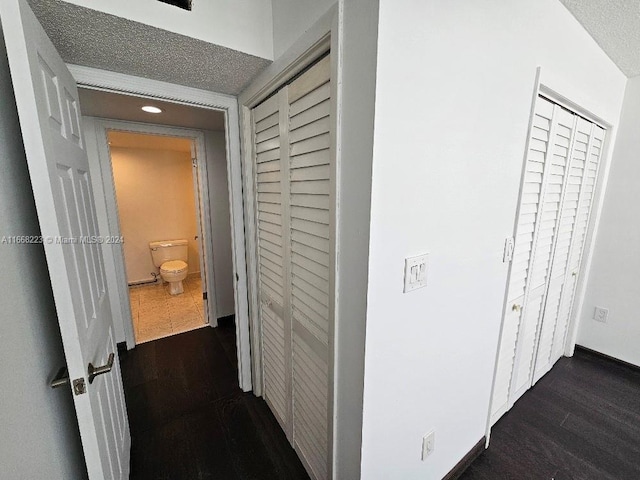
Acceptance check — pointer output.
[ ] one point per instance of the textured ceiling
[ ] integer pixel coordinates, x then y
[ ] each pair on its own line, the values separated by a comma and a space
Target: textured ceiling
615, 26
95, 103
95, 39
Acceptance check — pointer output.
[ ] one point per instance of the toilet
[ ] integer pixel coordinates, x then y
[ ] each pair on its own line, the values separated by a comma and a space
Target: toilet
170, 256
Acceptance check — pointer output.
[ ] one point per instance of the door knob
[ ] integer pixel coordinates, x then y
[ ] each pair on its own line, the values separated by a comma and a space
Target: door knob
516, 307
573, 274
61, 379
95, 371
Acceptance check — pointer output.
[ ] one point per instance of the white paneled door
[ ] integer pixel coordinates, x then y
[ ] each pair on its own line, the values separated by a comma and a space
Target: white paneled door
47, 101
295, 204
555, 203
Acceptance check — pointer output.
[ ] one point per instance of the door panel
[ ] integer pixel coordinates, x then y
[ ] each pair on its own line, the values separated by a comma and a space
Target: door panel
295, 202
563, 239
310, 175
271, 254
48, 107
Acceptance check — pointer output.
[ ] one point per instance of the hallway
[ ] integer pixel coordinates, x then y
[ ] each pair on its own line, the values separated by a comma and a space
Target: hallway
190, 420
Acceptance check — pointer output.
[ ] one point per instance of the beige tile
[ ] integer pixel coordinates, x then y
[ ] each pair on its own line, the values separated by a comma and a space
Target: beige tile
134, 295
186, 324
199, 303
150, 305
153, 332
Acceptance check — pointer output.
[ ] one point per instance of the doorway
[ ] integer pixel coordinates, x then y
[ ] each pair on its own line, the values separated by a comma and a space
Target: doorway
221, 238
161, 216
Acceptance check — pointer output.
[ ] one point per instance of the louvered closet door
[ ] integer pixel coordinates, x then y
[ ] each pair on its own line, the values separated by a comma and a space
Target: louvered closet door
271, 258
556, 164
295, 212
529, 213
585, 204
555, 204
311, 250
562, 281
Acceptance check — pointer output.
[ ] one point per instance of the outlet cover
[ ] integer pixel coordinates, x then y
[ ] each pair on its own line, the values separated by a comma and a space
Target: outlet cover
428, 444
415, 272
601, 314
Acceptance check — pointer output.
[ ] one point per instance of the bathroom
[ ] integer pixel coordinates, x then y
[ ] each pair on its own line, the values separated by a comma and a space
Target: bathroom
159, 201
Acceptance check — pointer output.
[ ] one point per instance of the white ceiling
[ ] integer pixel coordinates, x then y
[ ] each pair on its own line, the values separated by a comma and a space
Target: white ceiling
615, 26
95, 103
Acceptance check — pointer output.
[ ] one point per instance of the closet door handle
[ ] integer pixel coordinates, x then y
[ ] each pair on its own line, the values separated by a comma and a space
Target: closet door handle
516, 308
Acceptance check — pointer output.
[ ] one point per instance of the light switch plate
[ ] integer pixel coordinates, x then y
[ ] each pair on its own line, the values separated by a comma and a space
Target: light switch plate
428, 444
415, 272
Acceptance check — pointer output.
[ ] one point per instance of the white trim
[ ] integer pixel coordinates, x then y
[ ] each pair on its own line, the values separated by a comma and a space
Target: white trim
96, 79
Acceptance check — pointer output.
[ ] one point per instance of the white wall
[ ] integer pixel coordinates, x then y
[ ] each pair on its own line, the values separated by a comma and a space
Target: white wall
614, 278
243, 25
455, 82
291, 18
39, 437
220, 221
156, 201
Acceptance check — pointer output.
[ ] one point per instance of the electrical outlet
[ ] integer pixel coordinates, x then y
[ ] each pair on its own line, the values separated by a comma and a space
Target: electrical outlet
600, 314
428, 444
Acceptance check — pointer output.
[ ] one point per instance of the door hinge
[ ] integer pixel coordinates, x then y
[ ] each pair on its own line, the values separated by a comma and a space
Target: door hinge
194, 162
204, 295
79, 387
509, 246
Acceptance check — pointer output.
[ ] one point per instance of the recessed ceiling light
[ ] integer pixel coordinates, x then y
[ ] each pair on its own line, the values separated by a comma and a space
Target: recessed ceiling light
151, 109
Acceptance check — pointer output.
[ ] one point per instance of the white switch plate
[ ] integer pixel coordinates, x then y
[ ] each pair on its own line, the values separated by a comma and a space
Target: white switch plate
428, 444
600, 314
415, 272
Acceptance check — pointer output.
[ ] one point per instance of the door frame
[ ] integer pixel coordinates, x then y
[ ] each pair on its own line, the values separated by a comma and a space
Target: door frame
97, 79
542, 88
101, 127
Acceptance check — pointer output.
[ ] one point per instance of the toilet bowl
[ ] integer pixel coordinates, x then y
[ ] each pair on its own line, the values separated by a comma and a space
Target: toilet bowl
174, 272
170, 256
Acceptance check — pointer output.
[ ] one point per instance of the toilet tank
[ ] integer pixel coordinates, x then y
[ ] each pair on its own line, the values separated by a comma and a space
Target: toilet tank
164, 250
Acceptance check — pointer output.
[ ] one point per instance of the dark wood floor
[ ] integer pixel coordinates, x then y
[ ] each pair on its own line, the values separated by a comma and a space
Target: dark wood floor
190, 420
581, 421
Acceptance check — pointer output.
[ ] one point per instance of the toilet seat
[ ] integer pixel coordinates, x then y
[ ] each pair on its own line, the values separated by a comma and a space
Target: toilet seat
174, 266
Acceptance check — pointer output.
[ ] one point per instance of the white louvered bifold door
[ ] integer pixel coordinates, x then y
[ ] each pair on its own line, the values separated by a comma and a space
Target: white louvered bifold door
585, 204
562, 279
310, 210
558, 186
556, 162
295, 212
528, 218
271, 254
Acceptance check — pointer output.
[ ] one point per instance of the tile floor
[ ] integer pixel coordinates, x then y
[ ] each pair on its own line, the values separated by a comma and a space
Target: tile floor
157, 314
